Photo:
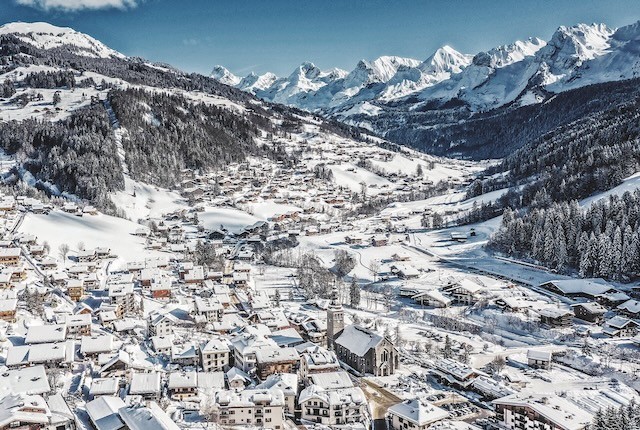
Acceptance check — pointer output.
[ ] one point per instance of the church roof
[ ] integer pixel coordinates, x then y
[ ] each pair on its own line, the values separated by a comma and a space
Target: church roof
358, 340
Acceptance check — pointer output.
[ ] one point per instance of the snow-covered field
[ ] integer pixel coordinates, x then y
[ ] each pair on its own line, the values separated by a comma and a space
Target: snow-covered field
233, 220
93, 231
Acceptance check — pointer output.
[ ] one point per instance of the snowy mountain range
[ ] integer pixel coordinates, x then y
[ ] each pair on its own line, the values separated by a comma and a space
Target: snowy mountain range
523, 72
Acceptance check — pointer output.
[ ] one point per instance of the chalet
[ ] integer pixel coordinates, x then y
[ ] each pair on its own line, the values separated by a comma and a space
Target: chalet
414, 414
554, 317
620, 326
5, 280
275, 360
48, 263
116, 365
404, 271
75, 289
161, 324
48, 333
366, 351
630, 308
183, 385
288, 384
104, 387
245, 347
465, 292
161, 289
316, 359
162, 344
590, 311
195, 275
10, 256
354, 239
433, 298
86, 256
146, 385
458, 236
209, 309
122, 296
538, 359
455, 373
379, 241
91, 346
48, 354
8, 309
185, 355
78, 325
89, 210
586, 288
401, 256
237, 379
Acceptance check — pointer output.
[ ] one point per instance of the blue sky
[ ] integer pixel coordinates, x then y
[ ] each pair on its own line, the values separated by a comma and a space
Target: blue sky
277, 35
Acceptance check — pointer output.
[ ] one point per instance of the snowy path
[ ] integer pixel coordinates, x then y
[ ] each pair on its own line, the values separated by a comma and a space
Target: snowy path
117, 131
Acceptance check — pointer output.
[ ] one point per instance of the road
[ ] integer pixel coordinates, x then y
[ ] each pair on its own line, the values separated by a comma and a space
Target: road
379, 400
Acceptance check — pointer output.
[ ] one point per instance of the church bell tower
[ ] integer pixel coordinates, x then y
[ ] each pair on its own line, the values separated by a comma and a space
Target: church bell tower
335, 318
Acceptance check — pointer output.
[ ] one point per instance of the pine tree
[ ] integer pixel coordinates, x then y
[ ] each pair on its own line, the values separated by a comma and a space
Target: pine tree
276, 298
447, 349
561, 257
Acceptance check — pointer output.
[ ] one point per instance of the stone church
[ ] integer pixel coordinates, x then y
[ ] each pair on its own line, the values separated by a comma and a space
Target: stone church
361, 348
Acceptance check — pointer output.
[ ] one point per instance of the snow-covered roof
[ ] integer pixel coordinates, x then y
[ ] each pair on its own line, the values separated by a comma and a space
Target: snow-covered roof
151, 417
145, 383
104, 386
210, 380
46, 333
631, 306
358, 340
537, 354
592, 307
96, 344
331, 380
591, 287
619, 322
183, 380
287, 382
418, 412
103, 412
276, 355
333, 397
560, 411
28, 380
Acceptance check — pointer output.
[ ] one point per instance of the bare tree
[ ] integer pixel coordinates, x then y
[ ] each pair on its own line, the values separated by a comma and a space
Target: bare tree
64, 251
374, 268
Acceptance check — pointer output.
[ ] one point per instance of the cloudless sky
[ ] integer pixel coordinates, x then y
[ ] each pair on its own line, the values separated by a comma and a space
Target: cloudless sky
277, 35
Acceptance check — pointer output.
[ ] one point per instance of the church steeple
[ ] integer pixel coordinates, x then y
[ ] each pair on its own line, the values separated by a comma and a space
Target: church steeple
335, 318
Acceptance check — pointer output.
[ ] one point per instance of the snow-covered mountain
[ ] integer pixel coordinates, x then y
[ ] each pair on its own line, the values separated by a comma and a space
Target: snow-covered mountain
223, 75
523, 72
46, 36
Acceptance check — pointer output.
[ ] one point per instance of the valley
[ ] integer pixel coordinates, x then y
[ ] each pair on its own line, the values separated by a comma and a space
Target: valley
185, 252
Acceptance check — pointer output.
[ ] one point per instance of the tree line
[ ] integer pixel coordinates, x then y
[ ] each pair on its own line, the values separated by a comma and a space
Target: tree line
602, 241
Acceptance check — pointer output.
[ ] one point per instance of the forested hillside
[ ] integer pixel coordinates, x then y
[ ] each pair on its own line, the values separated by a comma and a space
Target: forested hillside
447, 130
77, 155
591, 155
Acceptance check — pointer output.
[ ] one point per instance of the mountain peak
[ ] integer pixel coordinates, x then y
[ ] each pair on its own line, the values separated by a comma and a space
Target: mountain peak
445, 59
47, 36
580, 42
223, 75
504, 55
